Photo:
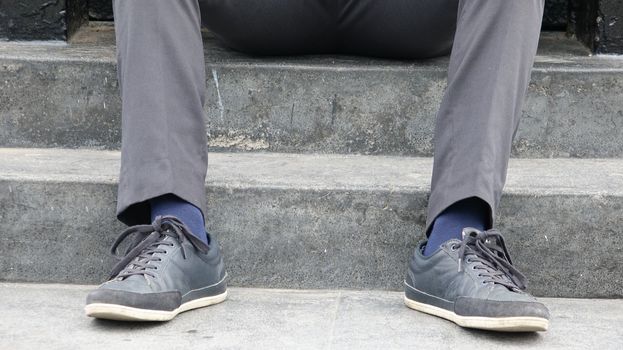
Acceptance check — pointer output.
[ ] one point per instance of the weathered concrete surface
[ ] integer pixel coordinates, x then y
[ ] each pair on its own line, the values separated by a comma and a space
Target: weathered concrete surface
100, 10
311, 221
597, 23
53, 96
609, 38
556, 16
51, 317
41, 19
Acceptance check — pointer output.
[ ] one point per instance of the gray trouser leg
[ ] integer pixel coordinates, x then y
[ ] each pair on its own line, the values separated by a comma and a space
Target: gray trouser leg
492, 57
161, 70
161, 74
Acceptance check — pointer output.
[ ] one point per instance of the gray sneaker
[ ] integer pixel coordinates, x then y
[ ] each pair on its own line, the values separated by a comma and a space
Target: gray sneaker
474, 284
165, 271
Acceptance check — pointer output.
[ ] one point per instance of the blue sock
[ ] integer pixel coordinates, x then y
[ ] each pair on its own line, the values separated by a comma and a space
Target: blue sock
190, 215
470, 212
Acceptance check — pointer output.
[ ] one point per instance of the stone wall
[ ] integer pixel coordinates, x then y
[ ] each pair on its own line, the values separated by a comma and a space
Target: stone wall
40, 19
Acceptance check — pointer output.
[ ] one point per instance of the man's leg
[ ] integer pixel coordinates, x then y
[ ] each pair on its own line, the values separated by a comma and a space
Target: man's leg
414, 29
161, 75
470, 280
492, 57
171, 266
466, 275
490, 66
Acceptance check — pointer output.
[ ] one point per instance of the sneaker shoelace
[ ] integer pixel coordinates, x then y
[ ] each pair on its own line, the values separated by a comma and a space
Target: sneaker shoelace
488, 251
147, 243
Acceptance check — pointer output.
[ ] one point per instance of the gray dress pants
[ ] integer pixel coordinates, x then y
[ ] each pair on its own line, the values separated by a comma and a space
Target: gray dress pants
162, 77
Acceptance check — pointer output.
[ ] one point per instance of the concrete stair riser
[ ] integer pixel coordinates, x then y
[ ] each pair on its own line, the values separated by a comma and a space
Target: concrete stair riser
68, 97
301, 236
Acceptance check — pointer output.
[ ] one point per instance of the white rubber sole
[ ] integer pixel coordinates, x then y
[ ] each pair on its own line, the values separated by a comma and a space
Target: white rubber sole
126, 313
501, 324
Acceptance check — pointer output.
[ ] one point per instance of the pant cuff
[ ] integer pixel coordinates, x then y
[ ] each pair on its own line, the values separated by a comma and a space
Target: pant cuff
437, 206
139, 184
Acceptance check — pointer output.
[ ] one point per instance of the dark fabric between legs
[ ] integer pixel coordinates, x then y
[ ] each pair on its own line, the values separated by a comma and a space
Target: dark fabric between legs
391, 29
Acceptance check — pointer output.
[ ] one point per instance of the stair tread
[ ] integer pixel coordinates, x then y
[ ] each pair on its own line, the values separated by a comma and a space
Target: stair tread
96, 43
322, 172
37, 314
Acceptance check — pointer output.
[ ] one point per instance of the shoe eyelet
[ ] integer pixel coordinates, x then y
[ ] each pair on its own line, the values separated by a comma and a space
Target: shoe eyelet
474, 267
454, 247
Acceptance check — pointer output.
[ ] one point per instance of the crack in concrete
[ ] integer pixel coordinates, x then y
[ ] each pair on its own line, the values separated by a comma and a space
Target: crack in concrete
334, 320
218, 94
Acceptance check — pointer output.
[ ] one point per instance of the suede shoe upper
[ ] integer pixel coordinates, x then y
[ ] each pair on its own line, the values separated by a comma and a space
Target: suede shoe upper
161, 268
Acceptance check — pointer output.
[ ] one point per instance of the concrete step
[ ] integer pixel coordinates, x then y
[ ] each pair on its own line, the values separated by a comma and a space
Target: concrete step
67, 96
51, 317
315, 221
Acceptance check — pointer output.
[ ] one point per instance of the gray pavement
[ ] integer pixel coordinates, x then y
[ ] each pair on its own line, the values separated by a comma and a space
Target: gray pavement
51, 317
